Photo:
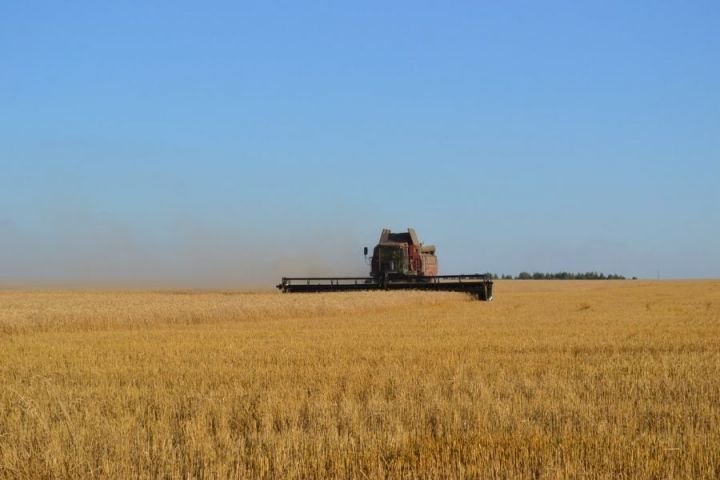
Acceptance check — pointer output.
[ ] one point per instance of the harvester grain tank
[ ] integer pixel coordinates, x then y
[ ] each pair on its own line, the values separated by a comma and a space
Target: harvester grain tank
399, 262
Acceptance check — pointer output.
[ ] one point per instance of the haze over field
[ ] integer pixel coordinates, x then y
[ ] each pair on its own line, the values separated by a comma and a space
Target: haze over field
223, 145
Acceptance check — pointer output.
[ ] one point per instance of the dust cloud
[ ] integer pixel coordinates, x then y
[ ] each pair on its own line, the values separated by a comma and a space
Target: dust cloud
101, 252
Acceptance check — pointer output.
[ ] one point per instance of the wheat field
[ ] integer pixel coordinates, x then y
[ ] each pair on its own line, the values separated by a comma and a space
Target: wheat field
553, 379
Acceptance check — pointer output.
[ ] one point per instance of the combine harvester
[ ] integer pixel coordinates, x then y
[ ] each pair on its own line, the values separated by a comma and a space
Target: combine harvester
399, 262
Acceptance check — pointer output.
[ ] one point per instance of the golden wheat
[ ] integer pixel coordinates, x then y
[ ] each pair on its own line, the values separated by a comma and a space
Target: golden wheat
553, 379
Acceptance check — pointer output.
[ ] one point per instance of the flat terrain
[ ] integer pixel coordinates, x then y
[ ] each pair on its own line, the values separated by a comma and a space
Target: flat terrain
553, 379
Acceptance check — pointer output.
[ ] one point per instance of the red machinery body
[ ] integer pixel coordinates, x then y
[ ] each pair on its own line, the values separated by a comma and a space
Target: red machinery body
402, 253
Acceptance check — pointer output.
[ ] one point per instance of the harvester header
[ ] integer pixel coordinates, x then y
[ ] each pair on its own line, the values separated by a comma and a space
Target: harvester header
399, 262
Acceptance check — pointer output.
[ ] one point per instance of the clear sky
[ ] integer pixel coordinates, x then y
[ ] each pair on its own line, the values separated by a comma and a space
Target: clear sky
177, 143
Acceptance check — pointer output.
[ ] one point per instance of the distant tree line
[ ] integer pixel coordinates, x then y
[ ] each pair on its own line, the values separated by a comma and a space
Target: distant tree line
557, 276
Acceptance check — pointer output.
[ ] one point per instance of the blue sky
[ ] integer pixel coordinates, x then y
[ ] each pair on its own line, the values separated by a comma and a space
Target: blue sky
227, 143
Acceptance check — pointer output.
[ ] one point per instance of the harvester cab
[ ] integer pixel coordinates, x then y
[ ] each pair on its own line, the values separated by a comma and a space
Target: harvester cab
402, 255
